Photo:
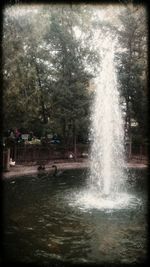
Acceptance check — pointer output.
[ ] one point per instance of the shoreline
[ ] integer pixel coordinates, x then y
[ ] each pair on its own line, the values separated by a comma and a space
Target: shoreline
25, 170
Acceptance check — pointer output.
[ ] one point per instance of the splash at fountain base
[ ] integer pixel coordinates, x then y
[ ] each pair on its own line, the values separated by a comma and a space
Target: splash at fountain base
90, 199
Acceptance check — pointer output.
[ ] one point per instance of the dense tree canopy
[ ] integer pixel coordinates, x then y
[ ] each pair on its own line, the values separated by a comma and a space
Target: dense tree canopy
50, 55
45, 72
133, 67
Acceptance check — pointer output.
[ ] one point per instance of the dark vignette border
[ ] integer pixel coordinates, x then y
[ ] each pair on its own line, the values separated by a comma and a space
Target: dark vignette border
3, 4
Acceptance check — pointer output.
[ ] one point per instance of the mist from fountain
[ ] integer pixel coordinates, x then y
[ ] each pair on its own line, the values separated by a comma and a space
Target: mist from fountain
107, 150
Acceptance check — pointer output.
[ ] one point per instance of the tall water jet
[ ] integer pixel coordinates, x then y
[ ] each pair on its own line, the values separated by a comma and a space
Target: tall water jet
107, 150
106, 185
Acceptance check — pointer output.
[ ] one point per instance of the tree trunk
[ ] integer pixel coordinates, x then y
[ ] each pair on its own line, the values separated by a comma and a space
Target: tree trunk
130, 137
128, 127
45, 120
74, 141
64, 132
128, 103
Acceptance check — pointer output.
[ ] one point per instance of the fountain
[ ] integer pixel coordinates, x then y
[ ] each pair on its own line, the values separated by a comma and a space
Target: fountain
106, 186
107, 152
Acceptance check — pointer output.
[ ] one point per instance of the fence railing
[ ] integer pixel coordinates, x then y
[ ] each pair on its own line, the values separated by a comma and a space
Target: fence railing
31, 153
137, 152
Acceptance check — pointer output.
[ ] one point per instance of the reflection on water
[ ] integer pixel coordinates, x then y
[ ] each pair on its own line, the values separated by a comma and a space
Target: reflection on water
42, 222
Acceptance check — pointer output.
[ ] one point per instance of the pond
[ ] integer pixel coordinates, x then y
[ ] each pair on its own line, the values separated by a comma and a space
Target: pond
43, 224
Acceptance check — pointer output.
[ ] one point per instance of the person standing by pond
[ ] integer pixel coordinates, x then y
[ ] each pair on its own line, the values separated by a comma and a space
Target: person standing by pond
17, 135
10, 142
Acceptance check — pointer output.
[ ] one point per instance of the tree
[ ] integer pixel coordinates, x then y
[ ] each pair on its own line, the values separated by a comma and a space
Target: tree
45, 71
132, 67
70, 96
21, 92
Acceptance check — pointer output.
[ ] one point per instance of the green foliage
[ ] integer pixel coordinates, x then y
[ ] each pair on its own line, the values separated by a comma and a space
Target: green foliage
47, 67
132, 67
45, 76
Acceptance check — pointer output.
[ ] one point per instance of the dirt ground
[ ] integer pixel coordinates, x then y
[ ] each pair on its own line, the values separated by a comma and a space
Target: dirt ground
32, 168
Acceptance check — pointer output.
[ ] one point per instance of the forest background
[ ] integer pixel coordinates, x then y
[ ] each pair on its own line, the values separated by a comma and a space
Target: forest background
51, 58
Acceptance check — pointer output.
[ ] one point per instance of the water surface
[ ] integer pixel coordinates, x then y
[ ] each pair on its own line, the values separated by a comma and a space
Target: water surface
43, 222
